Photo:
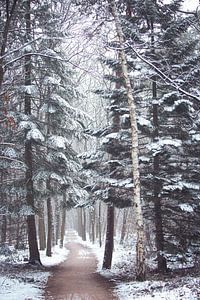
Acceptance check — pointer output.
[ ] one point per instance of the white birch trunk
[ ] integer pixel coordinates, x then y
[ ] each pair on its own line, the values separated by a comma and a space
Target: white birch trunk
140, 246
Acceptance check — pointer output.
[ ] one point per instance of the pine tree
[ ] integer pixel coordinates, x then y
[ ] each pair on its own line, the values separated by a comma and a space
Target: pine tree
168, 46
47, 90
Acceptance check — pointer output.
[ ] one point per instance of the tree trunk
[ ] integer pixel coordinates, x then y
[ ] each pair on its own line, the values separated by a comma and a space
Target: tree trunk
57, 217
9, 229
124, 222
99, 227
63, 219
34, 257
140, 245
41, 230
62, 232
80, 222
49, 227
4, 229
5, 32
18, 238
84, 224
161, 260
109, 244
92, 218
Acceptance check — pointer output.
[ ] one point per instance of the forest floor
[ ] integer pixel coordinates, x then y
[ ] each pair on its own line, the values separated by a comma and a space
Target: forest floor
76, 278
74, 272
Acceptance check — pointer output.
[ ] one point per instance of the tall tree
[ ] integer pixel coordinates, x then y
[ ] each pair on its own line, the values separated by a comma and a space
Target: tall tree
140, 247
34, 256
168, 46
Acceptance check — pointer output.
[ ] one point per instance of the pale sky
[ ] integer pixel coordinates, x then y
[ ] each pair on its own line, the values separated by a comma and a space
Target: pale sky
188, 4
191, 4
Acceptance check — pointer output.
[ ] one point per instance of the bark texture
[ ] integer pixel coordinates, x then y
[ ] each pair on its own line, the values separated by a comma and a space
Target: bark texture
4, 229
41, 231
9, 17
49, 227
107, 260
34, 256
62, 232
159, 235
140, 247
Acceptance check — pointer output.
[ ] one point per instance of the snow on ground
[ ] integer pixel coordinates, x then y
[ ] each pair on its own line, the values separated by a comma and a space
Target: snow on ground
28, 284
59, 255
24, 288
20, 283
169, 288
160, 290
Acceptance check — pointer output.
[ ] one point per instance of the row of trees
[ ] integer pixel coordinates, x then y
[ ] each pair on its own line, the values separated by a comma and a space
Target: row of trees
147, 154
39, 167
156, 68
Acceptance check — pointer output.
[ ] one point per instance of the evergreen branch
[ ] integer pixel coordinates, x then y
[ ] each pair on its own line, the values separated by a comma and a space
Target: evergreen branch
34, 54
47, 56
7, 144
20, 48
164, 76
11, 159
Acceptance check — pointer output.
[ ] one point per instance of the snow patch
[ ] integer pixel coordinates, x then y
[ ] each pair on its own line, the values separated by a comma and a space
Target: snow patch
186, 207
157, 146
143, 122
149, 290
36, 135
14, 289
182, 184
57, 142
58, 255
10, 152
26, 125
52, 80
29, 285
29, 89
196, 137
50, 108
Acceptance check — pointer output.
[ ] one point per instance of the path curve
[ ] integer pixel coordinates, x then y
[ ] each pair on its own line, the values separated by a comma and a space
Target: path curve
75, 279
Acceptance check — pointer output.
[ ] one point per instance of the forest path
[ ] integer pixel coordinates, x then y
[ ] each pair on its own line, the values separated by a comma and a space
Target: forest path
75, 279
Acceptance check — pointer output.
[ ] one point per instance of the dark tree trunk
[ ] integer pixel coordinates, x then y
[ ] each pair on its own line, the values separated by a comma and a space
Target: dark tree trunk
80, 222
18, 238
92, 219
5, 32
62, 232
99, 227
161, 261
124, 223
57, 222
4, 230
34, 257
109, 244
84, 225
41, 230
9, 229
49, 227
63, 220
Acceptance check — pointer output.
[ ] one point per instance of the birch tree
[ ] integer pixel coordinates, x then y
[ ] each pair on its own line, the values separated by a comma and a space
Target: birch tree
140, 246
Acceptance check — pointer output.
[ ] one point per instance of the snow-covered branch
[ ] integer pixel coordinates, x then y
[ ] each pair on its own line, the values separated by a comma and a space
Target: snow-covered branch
163, 75
11, 159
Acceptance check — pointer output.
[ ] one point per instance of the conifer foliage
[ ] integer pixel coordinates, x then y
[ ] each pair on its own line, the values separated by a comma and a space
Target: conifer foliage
39, 90
147, 154
163, 63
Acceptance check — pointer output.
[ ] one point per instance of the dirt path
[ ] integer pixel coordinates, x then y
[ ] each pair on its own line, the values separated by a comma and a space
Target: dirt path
75, 279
